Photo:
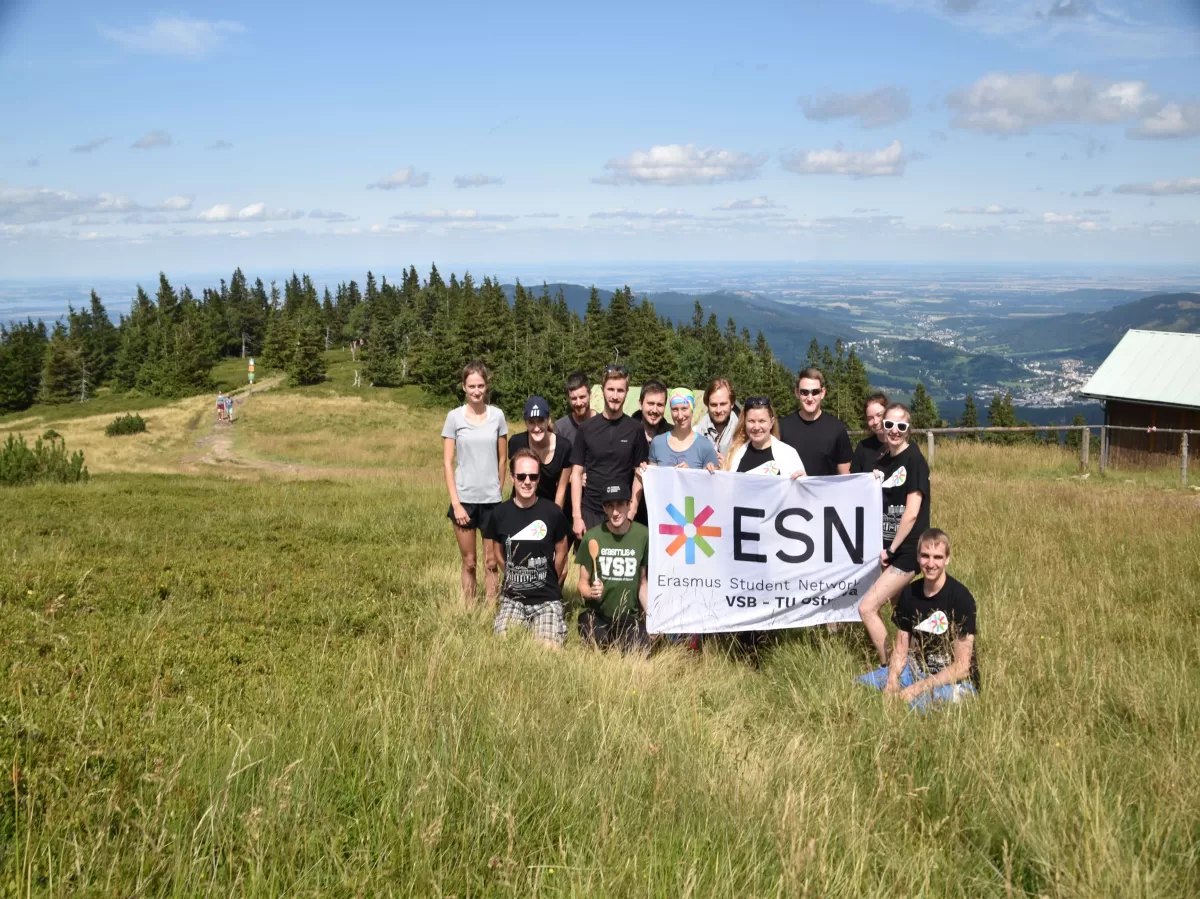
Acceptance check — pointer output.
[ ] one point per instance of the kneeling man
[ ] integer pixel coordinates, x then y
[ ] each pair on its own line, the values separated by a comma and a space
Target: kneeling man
614, 611
933, 659
530, 537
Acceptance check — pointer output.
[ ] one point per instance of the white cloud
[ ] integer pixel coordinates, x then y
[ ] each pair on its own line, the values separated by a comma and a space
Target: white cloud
1173, 120
679, 164
91, 145
999, 103
542, 215
152, 139
993, 209
873, 109
1161, 188
1059, 218
451, 215
175, 36
255, 212
407, 177
478, 180
623, 213
177, 203
331, 216
753, 203
220, 145
855, 163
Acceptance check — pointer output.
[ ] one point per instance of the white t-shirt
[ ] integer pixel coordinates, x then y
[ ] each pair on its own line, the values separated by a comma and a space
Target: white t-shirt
476, 454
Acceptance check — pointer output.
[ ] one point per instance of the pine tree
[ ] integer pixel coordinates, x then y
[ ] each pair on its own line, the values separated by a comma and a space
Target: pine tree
22, 355
969, 418
593, 354
279, 338
1001, 414
61, 370
858, 388
924, 410
382, 367
305, 363
136, 332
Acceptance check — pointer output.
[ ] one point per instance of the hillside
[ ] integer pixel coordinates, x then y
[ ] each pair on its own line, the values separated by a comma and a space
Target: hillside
943, 369
1100, 330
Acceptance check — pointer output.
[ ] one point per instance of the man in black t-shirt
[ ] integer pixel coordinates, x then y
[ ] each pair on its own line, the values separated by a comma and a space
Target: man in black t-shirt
607, 449
651, 405
819, 437
579, 402
530, 537
933, 659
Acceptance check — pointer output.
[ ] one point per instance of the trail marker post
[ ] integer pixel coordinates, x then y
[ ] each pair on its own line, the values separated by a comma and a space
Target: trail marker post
251, 371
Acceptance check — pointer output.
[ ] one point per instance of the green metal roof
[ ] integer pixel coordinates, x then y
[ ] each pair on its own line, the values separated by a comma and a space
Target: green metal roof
1158, 367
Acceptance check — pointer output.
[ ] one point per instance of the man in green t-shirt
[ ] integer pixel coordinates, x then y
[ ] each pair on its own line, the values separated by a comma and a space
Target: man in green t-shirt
614, 597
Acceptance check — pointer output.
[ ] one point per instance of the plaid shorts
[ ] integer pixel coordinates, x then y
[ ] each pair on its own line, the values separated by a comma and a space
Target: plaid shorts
544, 619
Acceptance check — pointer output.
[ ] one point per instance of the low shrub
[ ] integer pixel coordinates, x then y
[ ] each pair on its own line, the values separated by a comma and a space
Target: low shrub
47, 461
129, 423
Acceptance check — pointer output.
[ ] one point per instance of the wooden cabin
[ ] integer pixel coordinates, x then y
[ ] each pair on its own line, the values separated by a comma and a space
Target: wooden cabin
1150, 381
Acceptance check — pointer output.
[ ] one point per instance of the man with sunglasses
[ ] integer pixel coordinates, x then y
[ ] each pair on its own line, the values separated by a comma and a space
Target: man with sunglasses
607, 450
819, 437
529, 534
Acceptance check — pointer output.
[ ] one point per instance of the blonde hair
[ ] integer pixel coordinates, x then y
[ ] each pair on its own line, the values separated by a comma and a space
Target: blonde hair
741, 438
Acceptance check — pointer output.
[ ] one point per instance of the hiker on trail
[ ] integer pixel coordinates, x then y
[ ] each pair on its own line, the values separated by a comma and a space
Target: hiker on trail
229, 408
819, 437
872, 447
904, 477
756, 447
552, 450
528, 535
651, 403
682, 446
221, 406
474, 456
721, 418
608, 449
933, 660
612, 577
579, 400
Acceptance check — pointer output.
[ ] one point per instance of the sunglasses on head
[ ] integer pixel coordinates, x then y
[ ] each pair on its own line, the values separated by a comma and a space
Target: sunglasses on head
889, 425
525, 476
757, 402
615, 369
804, 391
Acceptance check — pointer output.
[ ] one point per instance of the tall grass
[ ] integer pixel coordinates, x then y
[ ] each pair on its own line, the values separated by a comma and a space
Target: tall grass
266, 687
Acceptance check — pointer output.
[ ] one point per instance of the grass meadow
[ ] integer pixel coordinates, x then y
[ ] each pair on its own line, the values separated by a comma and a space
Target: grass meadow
240, 681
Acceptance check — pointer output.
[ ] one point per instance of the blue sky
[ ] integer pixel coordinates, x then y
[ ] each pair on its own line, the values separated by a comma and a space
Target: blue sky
307, 135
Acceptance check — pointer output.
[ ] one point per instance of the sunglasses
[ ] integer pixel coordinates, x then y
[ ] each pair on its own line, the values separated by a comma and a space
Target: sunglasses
523, 477
757, 402
804, 391
901, 426
615, 369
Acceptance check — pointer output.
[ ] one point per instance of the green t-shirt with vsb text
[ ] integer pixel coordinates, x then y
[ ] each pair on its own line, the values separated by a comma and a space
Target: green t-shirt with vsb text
621, 561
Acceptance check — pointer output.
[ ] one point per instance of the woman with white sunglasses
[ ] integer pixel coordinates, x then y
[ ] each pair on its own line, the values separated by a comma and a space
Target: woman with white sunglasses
904, 477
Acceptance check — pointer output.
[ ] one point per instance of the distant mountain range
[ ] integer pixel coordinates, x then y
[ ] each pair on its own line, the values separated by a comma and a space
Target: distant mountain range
1092, 335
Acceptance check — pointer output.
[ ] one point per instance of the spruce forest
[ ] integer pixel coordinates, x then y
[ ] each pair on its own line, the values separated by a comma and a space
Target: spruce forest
415, 332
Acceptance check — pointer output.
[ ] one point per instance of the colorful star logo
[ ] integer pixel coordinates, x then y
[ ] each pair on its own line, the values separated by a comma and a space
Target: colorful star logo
689, 530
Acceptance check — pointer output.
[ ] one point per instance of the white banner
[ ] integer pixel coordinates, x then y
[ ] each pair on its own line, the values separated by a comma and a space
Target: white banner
742, 552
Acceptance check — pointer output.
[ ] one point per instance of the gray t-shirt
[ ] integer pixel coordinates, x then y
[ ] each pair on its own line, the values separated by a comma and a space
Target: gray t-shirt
699, 454
477, 455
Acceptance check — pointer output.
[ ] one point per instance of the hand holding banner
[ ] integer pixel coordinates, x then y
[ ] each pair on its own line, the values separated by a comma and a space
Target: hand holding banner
739, 552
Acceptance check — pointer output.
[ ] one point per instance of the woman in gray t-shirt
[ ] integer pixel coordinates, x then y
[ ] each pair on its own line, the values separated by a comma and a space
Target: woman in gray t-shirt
475, 457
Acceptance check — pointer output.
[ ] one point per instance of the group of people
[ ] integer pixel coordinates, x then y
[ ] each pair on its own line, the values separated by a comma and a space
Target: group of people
224, 406
577, 487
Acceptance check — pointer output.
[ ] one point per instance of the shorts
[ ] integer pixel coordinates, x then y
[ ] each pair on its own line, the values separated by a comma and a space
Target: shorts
909, 676
591, 518
544, 620
627, 633
481, 515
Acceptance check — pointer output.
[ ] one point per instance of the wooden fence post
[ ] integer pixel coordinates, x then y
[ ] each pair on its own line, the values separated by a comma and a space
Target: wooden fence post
1084, 448
929, 444
1103, 449
1184, 460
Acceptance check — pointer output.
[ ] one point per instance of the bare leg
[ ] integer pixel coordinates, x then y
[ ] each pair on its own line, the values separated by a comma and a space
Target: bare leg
466, 547
884, 590
491, 577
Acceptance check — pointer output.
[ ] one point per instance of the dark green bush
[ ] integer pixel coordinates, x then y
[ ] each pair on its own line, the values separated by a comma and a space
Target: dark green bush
129, 423
47, 461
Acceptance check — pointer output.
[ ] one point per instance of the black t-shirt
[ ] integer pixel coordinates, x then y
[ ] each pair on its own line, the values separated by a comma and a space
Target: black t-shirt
609, 450
663, 427
527, 538
935, 622
547, 486
904, 474
823, 444
866, 454
755, 458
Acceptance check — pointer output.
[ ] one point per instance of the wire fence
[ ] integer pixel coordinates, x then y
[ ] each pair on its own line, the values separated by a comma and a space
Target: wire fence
1085, 442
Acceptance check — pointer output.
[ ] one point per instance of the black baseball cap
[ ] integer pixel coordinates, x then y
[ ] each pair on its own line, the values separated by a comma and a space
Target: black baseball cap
617, 491
536, 407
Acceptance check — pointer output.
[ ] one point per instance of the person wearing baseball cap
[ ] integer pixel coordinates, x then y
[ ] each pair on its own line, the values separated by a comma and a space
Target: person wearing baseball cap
553, 450
612, 577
